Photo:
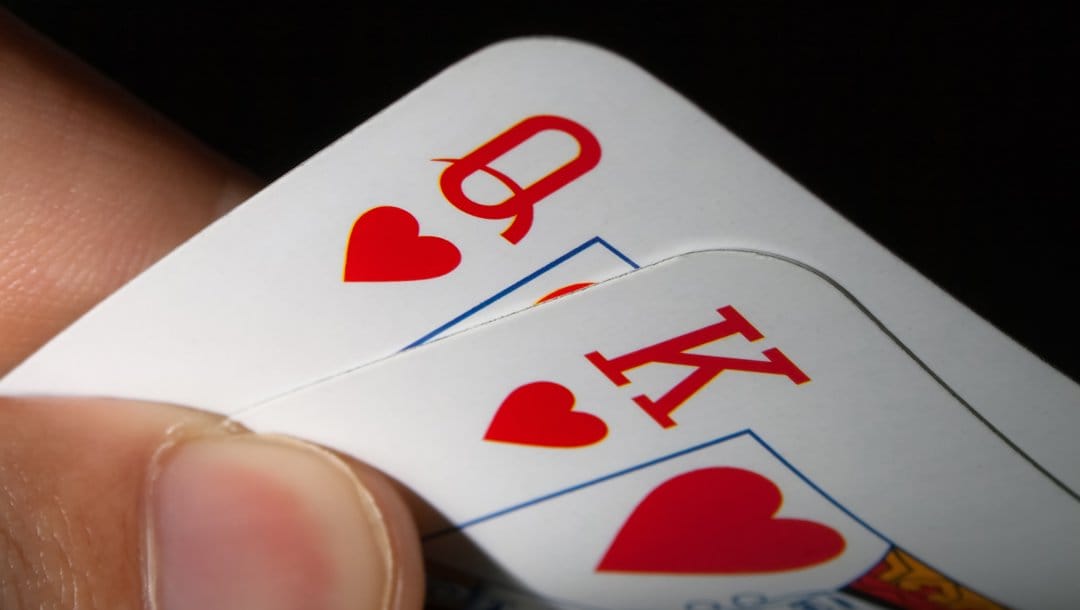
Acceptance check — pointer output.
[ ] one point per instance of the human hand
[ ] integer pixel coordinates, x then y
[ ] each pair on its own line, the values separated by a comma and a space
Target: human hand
119, 504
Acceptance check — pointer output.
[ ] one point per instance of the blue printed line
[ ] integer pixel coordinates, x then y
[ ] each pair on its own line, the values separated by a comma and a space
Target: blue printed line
653, 462
891, 545
518, 284
821, 491
615, 251
601, 479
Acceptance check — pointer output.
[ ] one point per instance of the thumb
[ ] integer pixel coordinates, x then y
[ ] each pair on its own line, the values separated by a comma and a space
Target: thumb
113, 504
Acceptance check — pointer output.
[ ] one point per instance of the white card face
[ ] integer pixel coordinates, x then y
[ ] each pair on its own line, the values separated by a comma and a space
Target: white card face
573, 410
455, 204
725, 524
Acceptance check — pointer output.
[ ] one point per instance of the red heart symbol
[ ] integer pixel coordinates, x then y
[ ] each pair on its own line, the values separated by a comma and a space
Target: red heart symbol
385, 245
541, 413
717, 521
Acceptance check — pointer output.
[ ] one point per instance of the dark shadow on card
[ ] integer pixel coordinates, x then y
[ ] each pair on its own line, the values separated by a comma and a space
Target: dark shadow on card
453, 589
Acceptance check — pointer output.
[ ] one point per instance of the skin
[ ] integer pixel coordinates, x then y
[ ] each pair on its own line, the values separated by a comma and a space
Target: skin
95, 187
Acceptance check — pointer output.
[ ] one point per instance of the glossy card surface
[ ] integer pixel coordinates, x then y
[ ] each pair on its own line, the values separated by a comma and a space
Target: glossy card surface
454, 206
721, 424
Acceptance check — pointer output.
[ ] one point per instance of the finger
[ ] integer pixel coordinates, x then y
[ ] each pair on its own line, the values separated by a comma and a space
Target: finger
108, 503
93, 188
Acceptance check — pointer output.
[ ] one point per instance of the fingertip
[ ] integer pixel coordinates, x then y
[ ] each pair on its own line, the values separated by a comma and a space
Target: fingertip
408, 578
243, 521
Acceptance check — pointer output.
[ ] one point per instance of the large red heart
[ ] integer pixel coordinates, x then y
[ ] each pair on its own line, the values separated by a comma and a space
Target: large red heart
717, 521
385, 245
541, 414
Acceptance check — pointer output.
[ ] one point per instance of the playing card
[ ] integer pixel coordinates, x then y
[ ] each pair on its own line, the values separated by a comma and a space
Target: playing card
443, 210
538, 440
724, 525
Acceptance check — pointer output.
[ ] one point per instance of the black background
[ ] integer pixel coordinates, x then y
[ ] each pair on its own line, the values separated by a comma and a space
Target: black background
948, 134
